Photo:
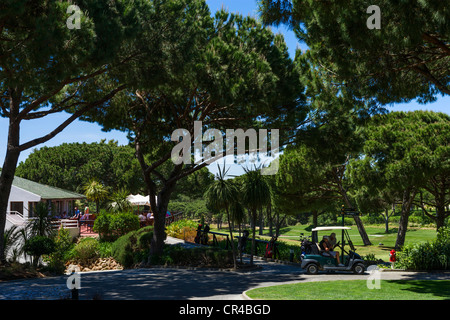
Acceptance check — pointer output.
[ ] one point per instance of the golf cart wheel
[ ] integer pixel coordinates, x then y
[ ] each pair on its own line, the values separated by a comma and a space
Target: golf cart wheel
359, 268
312, 268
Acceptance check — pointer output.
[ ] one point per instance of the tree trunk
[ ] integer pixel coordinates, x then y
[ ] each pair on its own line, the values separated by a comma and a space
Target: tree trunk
315, 216
408, 197
359, 224
6, 180
386, 221
440, 198
240, 241
440, 216
270, 218
9, 167
261, 222
159, 233
278, 224
253, 236
232, 239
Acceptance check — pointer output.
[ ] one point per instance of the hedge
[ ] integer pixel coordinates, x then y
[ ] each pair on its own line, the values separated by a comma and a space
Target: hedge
132, 247
431, 255
112, 226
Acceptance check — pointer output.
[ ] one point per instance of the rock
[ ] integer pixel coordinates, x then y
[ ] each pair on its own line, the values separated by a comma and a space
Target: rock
93, 265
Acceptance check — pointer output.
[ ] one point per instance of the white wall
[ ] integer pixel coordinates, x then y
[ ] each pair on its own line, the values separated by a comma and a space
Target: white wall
20, 195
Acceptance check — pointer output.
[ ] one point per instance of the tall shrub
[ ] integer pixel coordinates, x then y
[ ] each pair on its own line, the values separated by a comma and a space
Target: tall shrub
38, 246
122, 223
431, 255
112, 226
132, 247
63, 245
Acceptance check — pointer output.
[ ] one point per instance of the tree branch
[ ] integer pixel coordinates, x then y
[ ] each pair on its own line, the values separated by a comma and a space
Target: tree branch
72, 118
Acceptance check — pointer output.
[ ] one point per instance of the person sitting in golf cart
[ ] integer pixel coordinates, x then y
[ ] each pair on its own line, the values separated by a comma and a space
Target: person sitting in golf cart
332, 240
326, 246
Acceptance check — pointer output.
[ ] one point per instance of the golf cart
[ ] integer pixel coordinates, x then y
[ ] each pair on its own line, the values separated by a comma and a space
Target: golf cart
313, 258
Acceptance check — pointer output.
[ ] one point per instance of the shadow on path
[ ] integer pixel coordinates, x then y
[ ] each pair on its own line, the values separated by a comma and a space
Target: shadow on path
153, 283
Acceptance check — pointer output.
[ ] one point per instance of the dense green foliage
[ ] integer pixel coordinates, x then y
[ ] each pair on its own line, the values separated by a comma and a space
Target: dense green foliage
86, 249
196, 257
111, 226
178, 229
403, 154
430, 255
132, 247
407, 57
37, 246
71, 165
149, 67
63, 247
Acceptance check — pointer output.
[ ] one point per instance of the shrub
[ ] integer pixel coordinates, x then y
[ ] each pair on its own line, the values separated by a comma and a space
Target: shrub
63, 245
87, 249
122, 223
38, 246
202, 256
122, 250
183, 229
112, 226
434, 255
145, 238
101, 226
105, 249
132, 247
372, 219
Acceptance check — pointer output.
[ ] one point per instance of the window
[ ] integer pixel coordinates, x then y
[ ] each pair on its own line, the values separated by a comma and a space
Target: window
17, 206
31, 209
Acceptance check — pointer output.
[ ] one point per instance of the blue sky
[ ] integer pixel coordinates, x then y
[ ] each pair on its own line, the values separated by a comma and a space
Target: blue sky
87, 132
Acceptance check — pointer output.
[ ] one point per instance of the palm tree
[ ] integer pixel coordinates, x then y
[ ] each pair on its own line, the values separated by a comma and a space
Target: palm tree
255, 195
41, 225
221, 194
11, 240
237, 214
119, 201
95, 191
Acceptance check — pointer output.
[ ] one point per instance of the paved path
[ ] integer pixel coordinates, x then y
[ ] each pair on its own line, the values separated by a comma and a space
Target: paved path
180, 284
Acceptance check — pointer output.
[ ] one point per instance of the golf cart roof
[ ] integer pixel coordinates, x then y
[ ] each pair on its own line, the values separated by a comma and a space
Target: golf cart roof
331, 228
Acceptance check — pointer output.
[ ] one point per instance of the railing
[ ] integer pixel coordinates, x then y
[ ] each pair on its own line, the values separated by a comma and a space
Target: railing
260, 245
65, 223
203, 238
275, 253
216, 242
168, 220
86, 226
174, 217
15, 217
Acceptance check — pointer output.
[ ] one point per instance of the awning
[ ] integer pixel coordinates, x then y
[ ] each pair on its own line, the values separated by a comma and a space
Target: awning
331, 228
139, 200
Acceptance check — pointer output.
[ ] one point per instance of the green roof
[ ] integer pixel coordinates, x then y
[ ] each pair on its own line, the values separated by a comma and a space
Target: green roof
44, 191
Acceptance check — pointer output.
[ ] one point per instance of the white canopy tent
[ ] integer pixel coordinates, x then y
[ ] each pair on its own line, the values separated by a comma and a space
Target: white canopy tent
139, 200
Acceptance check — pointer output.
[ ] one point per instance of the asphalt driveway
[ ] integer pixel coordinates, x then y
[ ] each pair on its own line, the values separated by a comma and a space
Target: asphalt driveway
179, 284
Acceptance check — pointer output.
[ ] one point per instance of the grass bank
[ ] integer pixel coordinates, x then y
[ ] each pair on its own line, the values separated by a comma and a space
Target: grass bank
356, 290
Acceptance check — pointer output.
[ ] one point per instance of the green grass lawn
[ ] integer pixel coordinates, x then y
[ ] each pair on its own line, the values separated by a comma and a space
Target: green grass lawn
382, 242
291, 234
356, 290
